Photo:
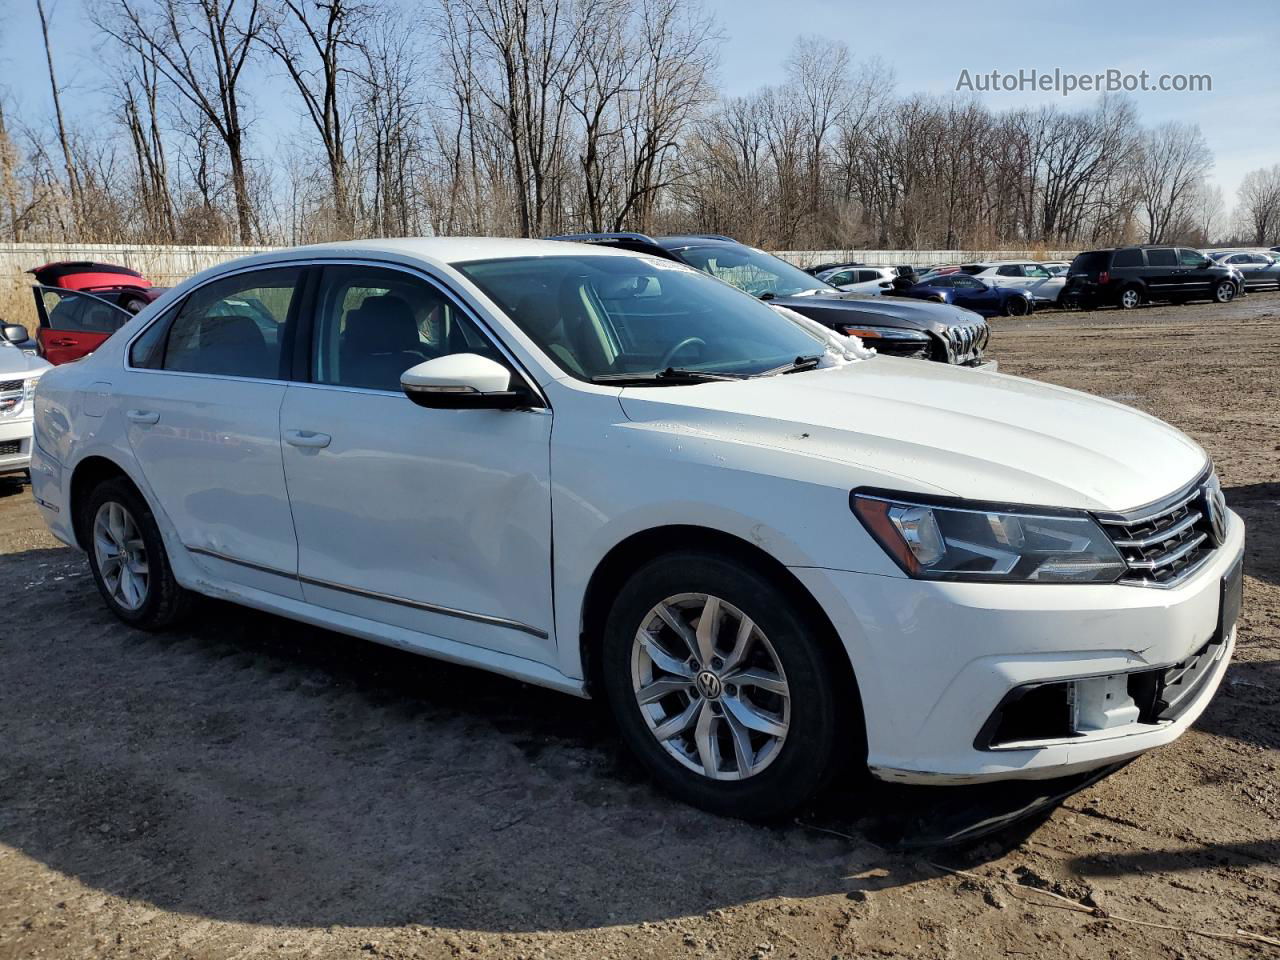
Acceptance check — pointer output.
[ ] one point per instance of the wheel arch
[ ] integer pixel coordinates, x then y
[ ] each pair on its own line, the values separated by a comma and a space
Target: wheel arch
629, 554
87, 475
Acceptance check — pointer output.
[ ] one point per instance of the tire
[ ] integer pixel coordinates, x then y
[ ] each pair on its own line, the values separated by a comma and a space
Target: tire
1224, 292
1130, 298
708, 714
116, 518
935, 299
1016, 307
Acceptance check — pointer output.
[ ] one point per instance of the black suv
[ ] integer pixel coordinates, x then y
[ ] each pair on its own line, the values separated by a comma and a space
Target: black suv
928, 331
1127, 277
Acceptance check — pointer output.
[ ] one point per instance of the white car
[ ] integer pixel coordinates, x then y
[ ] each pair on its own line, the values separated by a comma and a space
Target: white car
19, 373
857, 279
1037, 279
616, 476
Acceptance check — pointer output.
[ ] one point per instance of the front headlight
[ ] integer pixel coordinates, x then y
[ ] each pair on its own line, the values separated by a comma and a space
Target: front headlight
962, 540
872, 332
29, 389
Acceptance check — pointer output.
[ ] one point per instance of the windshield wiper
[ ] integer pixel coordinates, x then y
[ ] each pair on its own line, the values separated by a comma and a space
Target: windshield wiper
795, 366
672, 375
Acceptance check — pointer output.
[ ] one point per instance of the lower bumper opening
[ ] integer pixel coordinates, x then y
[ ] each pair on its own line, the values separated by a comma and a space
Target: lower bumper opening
1063, 709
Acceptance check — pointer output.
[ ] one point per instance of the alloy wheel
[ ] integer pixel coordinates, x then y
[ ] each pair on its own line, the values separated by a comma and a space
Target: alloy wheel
121, 555
1130, 299
710, 686
1226, 292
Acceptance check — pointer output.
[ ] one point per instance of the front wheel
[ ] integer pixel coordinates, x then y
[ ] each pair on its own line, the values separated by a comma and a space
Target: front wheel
720, 686
1224, 292
1016, 307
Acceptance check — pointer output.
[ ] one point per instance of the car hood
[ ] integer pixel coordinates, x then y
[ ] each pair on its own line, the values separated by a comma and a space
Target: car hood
930, 427
896, 311
15, 363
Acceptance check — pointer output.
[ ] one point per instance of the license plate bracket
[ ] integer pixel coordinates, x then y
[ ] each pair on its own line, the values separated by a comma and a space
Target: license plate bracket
1231, 600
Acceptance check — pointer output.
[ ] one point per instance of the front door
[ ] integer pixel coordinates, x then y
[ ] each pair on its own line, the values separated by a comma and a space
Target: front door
201, 397
433, 521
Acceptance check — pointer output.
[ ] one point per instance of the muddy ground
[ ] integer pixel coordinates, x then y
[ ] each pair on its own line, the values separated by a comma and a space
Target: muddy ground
250, 787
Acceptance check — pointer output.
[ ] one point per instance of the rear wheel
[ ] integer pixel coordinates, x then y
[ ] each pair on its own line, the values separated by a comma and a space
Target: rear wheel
720, 686
1130, 297
128, 559
1224, 292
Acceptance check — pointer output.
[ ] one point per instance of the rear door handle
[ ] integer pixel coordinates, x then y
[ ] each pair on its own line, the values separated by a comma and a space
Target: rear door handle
306, 438
143, 416
62, 342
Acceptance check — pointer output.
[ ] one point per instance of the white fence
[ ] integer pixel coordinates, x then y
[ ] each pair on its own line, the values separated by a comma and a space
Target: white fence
917, 258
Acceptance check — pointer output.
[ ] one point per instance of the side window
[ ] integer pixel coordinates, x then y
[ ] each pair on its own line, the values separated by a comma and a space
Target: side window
1162, 258
234, 327
1128, 258
1035, 270
968, 283
843, 277
73, 312
1010, 270
147, 352
373, 324
1190, 258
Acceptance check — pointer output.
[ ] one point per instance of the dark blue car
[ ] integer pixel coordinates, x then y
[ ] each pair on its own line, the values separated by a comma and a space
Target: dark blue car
962, 290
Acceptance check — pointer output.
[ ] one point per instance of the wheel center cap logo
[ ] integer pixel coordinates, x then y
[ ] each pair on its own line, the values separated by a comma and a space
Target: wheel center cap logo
708, 684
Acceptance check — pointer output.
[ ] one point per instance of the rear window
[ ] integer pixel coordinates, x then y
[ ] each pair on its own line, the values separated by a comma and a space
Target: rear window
1128, 258
1091, 262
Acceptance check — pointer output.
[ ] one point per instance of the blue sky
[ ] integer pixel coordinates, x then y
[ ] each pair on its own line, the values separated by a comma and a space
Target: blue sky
926, 42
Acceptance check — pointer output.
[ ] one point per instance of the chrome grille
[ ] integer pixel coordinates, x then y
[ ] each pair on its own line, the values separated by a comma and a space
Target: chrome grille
10, 447
965, 341
1164, 544
8, 386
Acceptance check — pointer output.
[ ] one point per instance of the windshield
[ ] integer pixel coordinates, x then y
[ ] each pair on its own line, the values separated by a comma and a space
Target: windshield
753, 270
602, 316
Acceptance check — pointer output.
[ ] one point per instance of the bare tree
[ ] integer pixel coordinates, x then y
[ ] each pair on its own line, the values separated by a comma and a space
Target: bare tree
1259, 204
201, 48
316, 41
73, 177
1173, 164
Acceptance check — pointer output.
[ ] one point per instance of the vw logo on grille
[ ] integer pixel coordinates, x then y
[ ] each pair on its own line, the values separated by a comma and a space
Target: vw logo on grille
708, 684
1215, 507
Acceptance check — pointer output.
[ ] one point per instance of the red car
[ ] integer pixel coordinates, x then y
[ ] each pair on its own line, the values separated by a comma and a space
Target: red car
80, 304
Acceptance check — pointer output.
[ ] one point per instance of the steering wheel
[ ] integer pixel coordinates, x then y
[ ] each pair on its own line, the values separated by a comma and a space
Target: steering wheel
675, 351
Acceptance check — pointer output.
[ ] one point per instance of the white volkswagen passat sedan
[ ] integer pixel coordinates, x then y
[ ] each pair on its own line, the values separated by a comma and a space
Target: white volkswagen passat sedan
614, 475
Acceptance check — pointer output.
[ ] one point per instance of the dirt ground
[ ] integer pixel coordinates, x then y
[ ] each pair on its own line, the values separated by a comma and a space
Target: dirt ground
254, 787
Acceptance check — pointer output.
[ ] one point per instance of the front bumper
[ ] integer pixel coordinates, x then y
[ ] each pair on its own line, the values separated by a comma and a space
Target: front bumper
934, 660
15, 445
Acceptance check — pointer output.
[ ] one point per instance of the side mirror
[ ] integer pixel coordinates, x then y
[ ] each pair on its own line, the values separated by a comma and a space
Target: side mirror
13, 333
1206, 262
463, 381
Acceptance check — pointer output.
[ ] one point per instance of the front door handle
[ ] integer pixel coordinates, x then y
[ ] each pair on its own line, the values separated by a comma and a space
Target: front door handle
306, 438
143, 416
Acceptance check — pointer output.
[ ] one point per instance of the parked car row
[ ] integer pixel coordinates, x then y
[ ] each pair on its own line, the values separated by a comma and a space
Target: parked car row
776, 554
938, 332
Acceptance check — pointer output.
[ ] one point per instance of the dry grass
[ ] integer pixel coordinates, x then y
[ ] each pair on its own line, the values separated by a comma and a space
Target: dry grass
17, 306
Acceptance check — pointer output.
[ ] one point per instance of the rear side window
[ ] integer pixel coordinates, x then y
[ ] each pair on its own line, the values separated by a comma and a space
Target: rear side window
147, 351
1162, 258
1091, 262
1010, 270
1128, 258
234, 327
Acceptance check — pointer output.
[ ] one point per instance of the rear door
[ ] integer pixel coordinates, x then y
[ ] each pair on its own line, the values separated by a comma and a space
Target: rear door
74, 324
1163, 274
201, 397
